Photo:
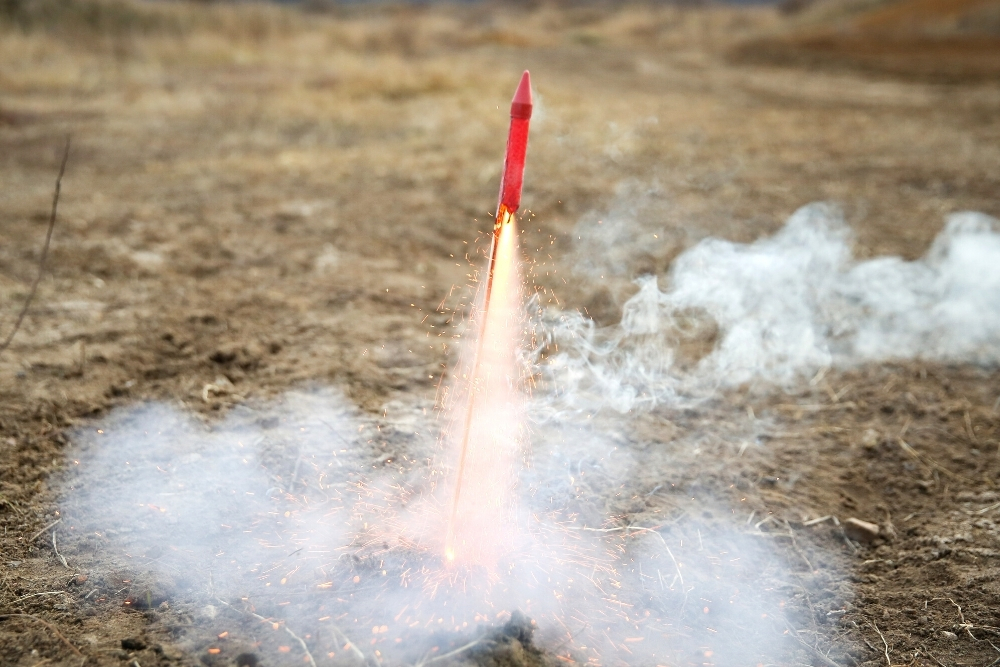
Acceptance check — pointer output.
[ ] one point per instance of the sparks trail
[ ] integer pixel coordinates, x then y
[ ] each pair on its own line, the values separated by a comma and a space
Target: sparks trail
500, 275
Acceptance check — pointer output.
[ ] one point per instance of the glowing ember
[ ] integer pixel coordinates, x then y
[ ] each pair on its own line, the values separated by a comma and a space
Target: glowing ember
489, 432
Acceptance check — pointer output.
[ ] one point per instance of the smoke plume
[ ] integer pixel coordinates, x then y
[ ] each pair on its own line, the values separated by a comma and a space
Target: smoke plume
301, 524
781, 309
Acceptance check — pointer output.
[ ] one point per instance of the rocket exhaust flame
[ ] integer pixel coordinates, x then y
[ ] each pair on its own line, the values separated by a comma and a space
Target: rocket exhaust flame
491, 394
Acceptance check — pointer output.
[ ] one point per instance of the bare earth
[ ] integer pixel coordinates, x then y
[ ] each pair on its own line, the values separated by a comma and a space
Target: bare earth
260, 199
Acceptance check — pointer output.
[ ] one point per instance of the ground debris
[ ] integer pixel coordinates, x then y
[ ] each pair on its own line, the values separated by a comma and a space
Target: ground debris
861, 531
133, 644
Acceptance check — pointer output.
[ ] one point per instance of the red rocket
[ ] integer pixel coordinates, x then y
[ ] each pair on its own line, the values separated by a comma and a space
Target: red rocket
517, 147
513, 167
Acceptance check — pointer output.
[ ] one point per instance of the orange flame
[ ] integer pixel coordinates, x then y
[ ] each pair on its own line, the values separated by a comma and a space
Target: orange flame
482, 501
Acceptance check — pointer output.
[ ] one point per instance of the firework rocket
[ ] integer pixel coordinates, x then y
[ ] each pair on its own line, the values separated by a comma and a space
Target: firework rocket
513, 168
509, 202
517, 145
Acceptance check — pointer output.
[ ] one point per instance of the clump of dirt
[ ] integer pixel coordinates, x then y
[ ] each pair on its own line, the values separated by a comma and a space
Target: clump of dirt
510, 645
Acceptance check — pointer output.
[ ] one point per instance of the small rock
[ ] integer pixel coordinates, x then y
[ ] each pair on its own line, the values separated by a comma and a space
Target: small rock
246, 660
147, 599
948, 635
133, 644
224, 355
870, 439
861, 531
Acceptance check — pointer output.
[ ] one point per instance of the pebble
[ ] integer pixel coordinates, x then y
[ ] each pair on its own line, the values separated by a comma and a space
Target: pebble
861, 531
133, 644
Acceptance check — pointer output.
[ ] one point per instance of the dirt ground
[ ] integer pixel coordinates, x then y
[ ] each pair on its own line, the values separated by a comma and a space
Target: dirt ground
924, 40
260, 198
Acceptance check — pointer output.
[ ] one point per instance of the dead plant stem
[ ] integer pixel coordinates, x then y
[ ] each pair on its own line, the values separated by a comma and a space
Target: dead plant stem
965, 625
449, 654
294, 636
45, 252
825, 659
55, 548
932, 656
795, 545
888, 662
35, 536
38, 595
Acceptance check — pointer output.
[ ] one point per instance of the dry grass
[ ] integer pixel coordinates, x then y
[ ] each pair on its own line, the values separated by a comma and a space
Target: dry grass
936, 40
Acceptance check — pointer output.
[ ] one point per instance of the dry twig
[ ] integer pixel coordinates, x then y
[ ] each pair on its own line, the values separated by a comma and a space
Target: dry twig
294, 636
965, 625
449, 654
888, 662
302, 643
12, 504
932, 656
35, 536
824, 658
45, 252
813, 522
931, 463
995, 649
55, 548
37, 595
795, 546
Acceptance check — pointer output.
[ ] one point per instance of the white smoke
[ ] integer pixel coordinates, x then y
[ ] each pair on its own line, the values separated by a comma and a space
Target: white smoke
305, 512
784, 307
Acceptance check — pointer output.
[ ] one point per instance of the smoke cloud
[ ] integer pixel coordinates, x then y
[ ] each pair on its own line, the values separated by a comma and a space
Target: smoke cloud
780, 309
304, 514
302, 524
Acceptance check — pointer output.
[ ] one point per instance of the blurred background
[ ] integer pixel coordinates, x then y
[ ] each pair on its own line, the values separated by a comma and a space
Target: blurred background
264, 196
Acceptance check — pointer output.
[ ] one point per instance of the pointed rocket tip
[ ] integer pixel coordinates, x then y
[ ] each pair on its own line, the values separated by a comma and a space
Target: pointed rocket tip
523, 94
520, 106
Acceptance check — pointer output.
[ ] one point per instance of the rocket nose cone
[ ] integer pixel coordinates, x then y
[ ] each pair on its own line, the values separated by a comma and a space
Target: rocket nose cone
520, 106
523, 94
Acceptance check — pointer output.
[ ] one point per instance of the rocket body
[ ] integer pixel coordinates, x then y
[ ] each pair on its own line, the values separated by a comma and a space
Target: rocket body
517, 148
